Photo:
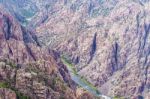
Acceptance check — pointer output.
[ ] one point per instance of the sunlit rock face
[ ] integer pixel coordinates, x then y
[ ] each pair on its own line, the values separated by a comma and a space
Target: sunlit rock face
107, 40
29, 70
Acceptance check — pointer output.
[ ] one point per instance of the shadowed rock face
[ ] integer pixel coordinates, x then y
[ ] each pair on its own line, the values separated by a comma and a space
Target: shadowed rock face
108, 41
28, 70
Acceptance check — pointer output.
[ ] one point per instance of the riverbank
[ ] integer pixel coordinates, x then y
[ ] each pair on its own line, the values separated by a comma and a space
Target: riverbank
81, 81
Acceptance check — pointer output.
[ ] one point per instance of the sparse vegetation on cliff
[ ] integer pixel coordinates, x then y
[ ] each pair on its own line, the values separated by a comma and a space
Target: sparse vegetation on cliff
72, 69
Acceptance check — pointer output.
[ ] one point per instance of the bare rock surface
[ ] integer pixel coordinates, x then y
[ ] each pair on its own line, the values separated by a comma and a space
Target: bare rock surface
107, 40
27, 70
7, 94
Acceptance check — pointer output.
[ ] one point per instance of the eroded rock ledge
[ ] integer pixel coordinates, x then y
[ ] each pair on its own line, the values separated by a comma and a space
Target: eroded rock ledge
29, 71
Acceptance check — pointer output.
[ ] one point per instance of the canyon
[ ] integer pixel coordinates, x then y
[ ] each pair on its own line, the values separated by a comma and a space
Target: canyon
29, 71
107, 41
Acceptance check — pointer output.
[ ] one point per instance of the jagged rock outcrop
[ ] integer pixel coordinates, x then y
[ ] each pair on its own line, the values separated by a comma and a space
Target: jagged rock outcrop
107, 40
27, 70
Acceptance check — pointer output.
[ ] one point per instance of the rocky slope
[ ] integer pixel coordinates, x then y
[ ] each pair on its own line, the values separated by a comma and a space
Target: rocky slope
107, 40
29, 71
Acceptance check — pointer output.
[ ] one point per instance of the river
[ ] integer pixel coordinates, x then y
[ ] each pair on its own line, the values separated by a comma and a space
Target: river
81, 81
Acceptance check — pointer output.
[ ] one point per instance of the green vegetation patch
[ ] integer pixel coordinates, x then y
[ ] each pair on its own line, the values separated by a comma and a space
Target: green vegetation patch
10, 63
71, 68
118, 97
4, 85
18, 94
89, 84
69, 65
21, 96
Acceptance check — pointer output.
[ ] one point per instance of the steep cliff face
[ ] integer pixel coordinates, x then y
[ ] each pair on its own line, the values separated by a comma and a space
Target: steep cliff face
29, 71
108, 41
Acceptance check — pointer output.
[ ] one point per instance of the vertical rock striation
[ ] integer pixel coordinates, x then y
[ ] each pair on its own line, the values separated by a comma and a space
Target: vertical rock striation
27, 70
107, 40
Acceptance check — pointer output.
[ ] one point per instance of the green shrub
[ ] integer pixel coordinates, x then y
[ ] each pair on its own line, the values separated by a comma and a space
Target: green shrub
4, 85
21, 96
118, 97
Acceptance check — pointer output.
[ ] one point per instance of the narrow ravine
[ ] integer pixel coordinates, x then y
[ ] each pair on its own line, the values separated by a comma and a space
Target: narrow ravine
82, 82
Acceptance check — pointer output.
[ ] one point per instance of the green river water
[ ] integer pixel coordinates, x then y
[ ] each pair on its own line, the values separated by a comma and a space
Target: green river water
82, 82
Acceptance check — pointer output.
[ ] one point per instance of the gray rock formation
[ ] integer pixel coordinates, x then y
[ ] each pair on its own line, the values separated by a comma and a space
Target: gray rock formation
110, 47
108, 41
29, 71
